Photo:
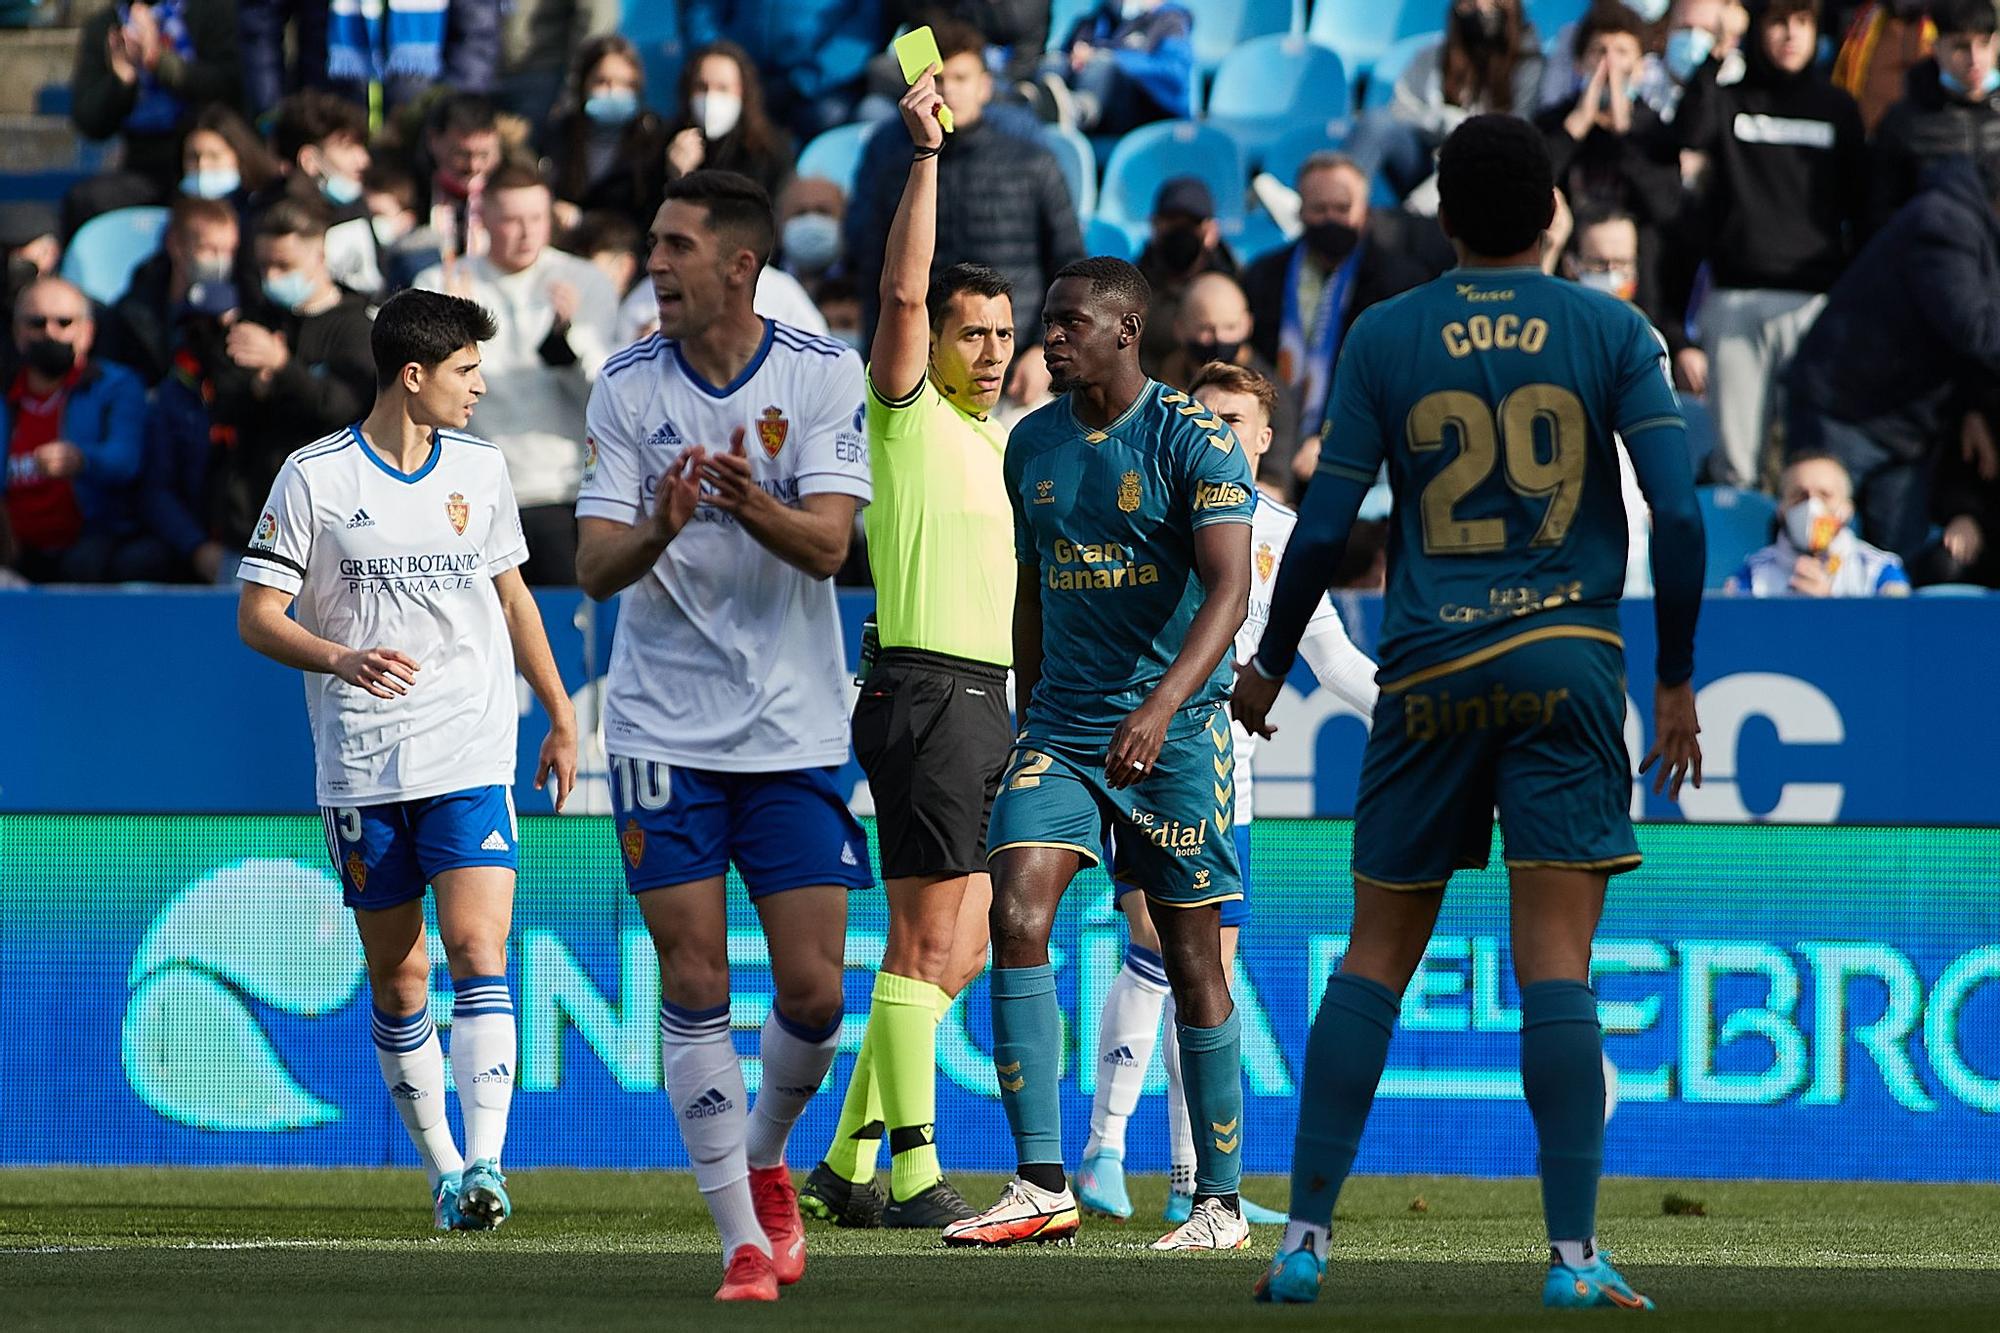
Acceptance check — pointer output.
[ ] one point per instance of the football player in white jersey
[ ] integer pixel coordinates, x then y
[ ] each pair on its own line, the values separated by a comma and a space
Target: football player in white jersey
724, 465
399, 540
1129, 1023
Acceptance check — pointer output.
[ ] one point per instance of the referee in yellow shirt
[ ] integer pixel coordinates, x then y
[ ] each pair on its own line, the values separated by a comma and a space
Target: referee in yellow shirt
932, 727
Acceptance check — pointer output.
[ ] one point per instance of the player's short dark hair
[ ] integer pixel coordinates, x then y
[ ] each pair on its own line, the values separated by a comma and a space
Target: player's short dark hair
956, 37
425, 327
738, 208
313, 116
1496, 184
1232, 378
978, 279
463, 113
1606, 18
293, 216
1956, 18
1112, 281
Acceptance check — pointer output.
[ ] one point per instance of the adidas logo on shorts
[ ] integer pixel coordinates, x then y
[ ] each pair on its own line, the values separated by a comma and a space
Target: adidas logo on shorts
1122, 1057
710, 1103
494, 842
847, 857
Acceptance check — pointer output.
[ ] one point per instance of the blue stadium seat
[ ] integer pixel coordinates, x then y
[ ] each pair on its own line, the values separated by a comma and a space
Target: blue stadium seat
1952, 590
1101, 236
1284, 158
1269, 84
1220, 26
654, 26
1258, 234
1078, 161
836, 154
1549, 16
1153, 154
1389, 67
107, 248
1738, 522
1362, 30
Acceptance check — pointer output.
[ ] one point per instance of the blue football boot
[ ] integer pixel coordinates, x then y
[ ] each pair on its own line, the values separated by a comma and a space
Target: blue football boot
1594, 1286
1100, 1186
482, 1196
1292, 1279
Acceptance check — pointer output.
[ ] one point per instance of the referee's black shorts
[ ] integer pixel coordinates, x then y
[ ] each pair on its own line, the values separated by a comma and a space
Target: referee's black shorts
933, 734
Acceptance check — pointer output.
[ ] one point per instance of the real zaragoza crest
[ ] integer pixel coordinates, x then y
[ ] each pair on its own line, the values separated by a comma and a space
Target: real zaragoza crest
1267, 560
772, 430
633, 841
458, 511
1128, 492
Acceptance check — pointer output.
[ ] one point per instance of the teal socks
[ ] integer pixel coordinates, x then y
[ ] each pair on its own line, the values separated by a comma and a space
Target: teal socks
1345, 1053
1562, 1073
1212, 1068
1027, 1045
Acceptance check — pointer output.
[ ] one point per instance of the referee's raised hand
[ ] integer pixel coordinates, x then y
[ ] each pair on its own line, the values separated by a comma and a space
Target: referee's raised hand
920, 107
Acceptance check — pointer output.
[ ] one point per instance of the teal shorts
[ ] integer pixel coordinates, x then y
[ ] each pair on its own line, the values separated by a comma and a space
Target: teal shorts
1536, 730
1175, 830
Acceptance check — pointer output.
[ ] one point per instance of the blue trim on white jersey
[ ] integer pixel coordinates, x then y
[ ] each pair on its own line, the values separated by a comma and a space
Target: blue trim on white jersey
460, 436
407, 478
325, 445
801, 341
646, 349
742, 376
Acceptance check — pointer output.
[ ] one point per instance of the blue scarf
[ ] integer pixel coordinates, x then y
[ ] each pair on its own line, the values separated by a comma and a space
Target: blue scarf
366, 44
156, 110
1305, 357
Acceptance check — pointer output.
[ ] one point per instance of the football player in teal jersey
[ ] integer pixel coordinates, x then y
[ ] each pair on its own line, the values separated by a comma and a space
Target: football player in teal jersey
1494, 393
1132, 513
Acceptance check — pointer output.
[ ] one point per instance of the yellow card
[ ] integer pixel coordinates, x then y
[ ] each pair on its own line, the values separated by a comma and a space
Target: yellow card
917, 51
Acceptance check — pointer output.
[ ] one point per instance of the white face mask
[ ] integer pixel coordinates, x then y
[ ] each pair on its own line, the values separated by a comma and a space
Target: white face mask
716, 113
1811, 526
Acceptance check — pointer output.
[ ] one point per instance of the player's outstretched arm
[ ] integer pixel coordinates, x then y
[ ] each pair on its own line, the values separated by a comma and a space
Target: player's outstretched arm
538, 665
612, 556
1222, 560
813, 537
1314, 553
262, 624
901, 351
1336, 663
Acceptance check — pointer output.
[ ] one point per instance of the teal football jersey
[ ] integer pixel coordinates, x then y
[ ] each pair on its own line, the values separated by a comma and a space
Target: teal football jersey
1501, 390
1106, 520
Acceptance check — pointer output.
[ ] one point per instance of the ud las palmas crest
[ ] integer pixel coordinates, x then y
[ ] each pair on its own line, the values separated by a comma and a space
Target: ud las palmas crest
458, 511
771, 431
1267, 560
1128, 492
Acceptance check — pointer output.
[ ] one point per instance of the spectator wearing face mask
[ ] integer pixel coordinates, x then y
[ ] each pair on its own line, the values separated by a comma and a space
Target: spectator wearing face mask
1784, 187
222, 159
1488, 60
1910, 334
1816, 553
197, 263
1951, 106
295, 365
1124, 64
72, 425
1213, 323
405, 244
1698, 31
1305, 296
1186, 243
605, 150
1883, 43
811, 211
321, 142
720, 121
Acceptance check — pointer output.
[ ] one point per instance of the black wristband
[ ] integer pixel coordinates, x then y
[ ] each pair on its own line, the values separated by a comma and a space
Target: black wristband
925, 154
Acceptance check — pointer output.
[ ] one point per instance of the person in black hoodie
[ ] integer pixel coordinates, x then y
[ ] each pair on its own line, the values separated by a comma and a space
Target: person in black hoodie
1910, 334
1951, 105
606, 151
1786, 180
199, 250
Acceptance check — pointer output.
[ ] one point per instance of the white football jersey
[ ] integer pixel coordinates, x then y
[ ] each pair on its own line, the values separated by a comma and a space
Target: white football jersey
377, 559
1335, 661
726, 657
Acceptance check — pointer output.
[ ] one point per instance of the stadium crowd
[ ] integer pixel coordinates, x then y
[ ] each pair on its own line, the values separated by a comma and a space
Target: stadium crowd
1800, 196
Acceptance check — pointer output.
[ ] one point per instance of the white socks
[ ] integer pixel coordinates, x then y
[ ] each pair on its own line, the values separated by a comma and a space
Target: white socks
705, 1084
1304, 1236
1180, 1129
1126, 1031
412, 1063
482, 1061
795, 1059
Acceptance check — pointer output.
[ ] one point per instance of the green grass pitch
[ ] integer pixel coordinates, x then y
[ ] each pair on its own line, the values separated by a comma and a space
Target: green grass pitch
214, 1250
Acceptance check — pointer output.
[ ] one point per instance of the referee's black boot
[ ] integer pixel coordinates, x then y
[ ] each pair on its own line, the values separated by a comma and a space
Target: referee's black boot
831, 1197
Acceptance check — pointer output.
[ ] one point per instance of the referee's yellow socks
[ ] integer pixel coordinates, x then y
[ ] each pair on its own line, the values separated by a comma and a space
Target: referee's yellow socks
903, 1027
857, 1139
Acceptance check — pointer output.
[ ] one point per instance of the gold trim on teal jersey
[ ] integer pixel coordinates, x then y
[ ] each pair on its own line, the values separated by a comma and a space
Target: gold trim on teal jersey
1093, 857
1205, 902
1402, 886
1492, 650
1614, 864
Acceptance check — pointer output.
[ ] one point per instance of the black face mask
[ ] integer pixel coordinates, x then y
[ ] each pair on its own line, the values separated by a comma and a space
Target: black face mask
1180, 249
1201, 353
1331, 242
49, 358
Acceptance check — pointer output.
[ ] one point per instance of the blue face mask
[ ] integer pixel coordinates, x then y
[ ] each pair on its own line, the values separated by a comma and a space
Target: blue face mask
811, 242
340, 190
613, 108
1956, 86
290, 290
216, 183
1650, 10
1688, 49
